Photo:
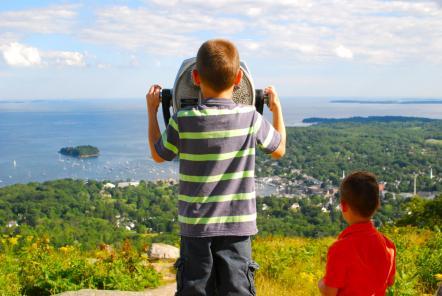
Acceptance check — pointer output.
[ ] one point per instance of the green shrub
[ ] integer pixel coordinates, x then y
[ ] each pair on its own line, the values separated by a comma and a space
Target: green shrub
34, 267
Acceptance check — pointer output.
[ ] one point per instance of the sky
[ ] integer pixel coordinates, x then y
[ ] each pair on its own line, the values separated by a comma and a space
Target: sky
305, 48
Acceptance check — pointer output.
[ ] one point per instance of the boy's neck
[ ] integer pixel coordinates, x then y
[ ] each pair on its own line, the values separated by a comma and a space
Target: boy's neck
358, 220
352, 217
209, 93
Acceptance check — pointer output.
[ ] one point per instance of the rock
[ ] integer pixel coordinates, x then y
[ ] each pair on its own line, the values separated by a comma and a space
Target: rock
163, 251
439, 290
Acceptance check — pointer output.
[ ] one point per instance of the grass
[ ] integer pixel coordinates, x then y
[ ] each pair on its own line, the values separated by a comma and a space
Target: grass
288, 265
293, 266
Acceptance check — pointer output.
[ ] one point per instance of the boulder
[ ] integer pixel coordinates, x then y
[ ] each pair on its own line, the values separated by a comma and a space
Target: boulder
163, 251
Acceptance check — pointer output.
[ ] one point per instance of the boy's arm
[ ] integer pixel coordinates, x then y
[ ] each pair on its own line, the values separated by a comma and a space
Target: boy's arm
391, 249
335, 270
153, 102
326, 290
278, 121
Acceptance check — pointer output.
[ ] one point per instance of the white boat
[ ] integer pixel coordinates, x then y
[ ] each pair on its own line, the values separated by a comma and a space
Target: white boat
14, 164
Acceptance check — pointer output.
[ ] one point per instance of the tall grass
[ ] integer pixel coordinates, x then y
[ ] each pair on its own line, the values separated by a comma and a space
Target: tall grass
293, 266
288, 265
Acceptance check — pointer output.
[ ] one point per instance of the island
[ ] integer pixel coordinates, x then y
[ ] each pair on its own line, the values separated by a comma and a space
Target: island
86, 151
369, 119
389, 102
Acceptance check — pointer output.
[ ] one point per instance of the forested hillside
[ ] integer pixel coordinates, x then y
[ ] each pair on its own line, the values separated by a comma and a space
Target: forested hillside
393, 150
75, 211
86, 214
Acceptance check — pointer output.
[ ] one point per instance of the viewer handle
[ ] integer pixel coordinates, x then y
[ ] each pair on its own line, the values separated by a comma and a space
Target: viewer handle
166, 100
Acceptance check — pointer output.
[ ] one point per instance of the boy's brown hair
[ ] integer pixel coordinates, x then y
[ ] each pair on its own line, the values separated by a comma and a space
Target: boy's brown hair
217, 62
360, 190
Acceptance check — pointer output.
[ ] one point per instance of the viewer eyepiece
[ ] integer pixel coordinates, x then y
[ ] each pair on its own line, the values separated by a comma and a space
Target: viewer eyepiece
185, 93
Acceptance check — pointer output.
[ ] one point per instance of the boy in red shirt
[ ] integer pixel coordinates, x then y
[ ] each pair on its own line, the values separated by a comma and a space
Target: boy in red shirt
362, 260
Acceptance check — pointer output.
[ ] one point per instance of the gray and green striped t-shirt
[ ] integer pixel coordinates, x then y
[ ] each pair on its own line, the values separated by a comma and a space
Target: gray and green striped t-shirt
215, 143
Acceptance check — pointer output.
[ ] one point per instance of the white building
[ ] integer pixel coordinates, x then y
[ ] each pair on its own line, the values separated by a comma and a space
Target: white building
295, 207
127, 184
108, 186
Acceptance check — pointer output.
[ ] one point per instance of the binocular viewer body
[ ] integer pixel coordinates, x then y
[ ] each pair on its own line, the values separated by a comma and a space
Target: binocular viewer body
186, 94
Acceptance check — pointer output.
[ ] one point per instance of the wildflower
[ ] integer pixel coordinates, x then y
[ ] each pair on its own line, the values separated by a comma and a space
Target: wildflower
64, 249
307, 276
13, 241
67, 249
438, 276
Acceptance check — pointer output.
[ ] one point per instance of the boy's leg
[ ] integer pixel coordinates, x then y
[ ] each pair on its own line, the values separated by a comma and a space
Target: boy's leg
234, 267
195, 273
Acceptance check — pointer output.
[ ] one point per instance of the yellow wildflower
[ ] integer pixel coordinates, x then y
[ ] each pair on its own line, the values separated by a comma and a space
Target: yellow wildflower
67, 249
13, 240
307, 276
64, 249
438, 276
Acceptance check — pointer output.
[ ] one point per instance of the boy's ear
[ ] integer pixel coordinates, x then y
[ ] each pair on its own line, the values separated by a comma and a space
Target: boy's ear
196, 77
344, 206
238, 77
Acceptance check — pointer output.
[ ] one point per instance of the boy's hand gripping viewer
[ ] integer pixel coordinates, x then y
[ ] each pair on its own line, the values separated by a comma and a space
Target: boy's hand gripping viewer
186, 93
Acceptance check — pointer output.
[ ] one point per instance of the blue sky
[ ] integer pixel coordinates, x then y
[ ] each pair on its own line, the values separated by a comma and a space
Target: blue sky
306, 48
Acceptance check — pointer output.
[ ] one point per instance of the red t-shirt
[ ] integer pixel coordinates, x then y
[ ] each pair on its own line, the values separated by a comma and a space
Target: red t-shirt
361, 262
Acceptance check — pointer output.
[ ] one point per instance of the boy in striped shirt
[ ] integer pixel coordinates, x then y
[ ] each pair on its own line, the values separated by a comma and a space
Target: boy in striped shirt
216, 143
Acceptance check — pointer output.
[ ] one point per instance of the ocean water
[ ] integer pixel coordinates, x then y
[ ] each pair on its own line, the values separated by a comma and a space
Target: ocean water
32, 132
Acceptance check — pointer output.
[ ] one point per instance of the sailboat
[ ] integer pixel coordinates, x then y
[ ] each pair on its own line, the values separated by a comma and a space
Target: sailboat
14, 164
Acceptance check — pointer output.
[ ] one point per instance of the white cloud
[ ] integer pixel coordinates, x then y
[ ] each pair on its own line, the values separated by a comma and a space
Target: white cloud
65, 58
15, 25
374, 31
52, 19
343, 52
249, 45
19, 55
161, 31
254, 11
16, 54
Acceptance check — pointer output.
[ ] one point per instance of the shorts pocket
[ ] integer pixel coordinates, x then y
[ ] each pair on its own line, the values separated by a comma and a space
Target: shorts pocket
179, 266
252, 267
